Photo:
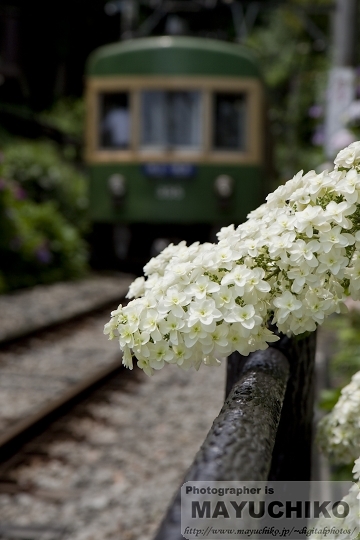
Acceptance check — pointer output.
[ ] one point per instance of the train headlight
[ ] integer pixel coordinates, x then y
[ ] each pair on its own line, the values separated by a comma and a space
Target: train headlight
117, 187
224, 186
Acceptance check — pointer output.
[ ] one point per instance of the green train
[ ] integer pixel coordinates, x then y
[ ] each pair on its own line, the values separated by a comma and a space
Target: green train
174, 142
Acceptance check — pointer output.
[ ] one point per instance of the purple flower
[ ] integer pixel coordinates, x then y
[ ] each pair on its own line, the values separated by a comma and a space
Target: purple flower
315, 111
19, 193
318, 138
43, 254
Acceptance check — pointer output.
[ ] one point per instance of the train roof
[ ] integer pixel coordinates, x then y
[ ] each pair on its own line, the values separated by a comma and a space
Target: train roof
169, 55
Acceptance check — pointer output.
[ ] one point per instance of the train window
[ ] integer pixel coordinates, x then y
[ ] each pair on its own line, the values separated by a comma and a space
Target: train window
229, 121
170, 119
114, 120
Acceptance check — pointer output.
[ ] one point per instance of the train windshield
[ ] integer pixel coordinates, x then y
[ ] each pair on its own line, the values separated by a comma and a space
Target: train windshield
229, 121
170, 120
114, 121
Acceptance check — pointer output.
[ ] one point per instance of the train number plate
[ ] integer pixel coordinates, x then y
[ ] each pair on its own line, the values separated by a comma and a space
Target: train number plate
170, 192
169, 170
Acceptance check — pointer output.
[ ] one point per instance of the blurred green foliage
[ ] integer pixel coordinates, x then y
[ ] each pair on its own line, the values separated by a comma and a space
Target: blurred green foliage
67, 114
328, 398
37, 244
345, 359
343, 363
294, 64
43, 216
44, 175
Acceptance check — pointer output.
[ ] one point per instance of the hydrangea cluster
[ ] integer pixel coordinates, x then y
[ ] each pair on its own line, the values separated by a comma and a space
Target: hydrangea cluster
342, 528
351, 522
339, 438
292, 263
339, 431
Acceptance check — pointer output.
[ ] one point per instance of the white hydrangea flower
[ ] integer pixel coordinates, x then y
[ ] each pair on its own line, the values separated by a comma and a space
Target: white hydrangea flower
293, 262
286, 303
339, 431
137, 288
349, 157
202, 286
340, 528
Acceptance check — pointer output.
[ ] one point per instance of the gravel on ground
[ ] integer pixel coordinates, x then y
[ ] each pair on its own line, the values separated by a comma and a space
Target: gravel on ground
28, 310
109, 470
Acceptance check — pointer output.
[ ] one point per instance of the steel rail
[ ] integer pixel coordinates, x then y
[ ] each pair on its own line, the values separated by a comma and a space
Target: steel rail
14, 438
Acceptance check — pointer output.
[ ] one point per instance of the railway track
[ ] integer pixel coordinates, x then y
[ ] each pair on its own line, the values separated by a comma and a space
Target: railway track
53, 356
102, 467
35, 473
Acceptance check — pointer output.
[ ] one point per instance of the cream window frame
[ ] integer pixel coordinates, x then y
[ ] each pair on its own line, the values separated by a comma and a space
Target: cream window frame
207, 86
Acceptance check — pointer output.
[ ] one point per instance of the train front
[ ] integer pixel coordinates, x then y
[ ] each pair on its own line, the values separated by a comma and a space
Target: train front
173, 144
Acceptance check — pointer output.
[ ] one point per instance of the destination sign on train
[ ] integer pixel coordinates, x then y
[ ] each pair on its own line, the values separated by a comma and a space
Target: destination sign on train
175, 170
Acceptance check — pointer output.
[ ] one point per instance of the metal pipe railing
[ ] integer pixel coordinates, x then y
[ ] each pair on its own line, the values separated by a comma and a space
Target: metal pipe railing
240, 444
